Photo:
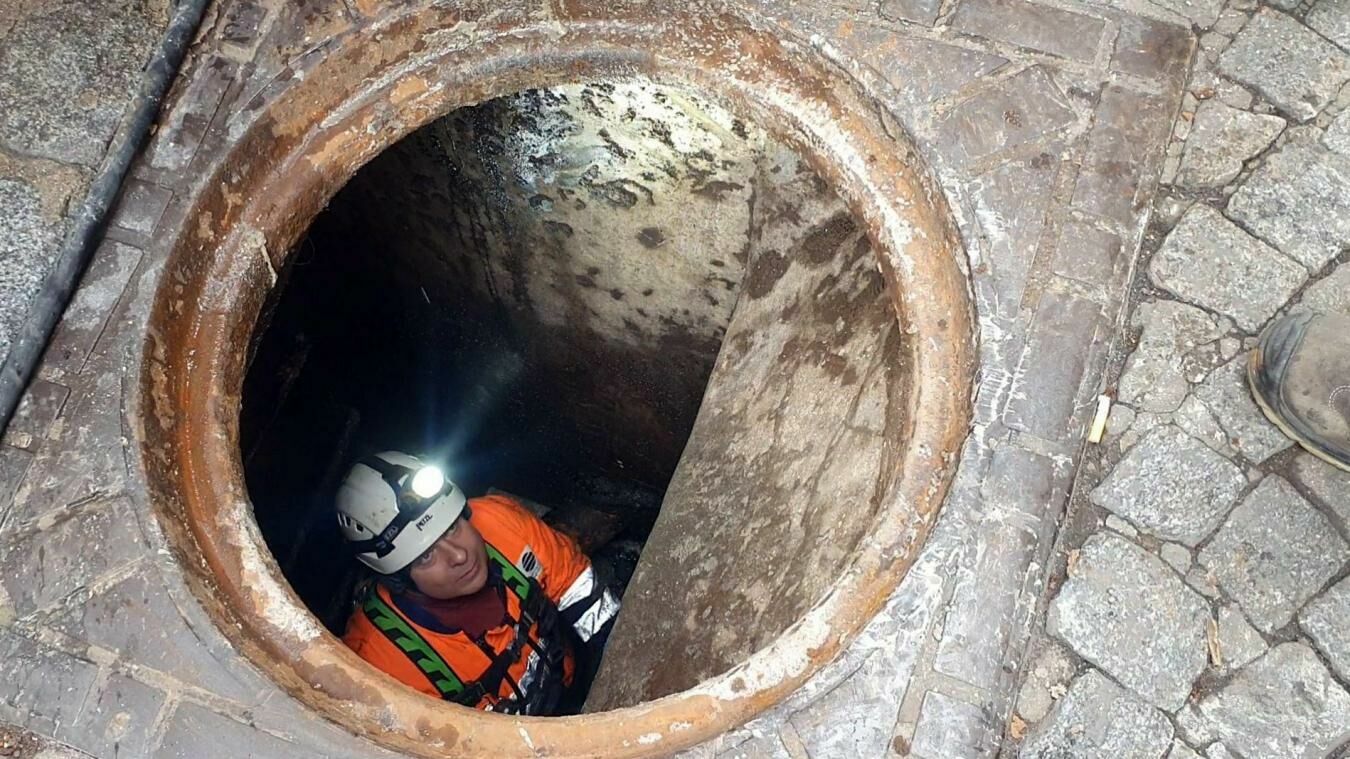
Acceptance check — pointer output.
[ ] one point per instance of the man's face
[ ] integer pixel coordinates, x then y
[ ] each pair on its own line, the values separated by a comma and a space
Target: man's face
454, 566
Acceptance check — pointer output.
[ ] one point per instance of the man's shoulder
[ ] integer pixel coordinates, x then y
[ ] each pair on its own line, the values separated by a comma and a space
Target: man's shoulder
502, 512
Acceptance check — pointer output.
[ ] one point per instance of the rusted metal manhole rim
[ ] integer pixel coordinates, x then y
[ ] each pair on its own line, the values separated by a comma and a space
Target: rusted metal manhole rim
359, 94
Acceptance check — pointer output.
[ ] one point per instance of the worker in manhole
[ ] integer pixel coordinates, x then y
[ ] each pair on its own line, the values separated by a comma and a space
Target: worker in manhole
476, 601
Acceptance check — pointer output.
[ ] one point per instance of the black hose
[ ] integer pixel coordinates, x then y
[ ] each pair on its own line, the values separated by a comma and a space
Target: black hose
88, 225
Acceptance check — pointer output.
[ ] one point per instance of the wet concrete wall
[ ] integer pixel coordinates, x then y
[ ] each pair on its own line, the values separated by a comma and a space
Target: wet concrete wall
578, 251
791, 450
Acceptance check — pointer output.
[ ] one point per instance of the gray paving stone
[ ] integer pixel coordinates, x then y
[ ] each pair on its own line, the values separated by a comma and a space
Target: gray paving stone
40, 687
1295, 68
1176, 555
41, 402
42, 569
137, 619
1019, 110
920, 70
1220, 141
951, 727
1045, 399
118, 722
1202, 13
1274, 553
1337, 136
1239, 642
1123, 610
1193, 727
1039, 27
1284, 704
14, 465
1114, 522
197, 733
1125, 149
27, 248
1327, 621
1099, 720
1222, 414
1331, 294
1011, 203
1171, 486
1179, 345
1047, 680
1152, 49
1209, 261
1329, 485
70, 71
1331, 18
1297, 202
1087, 254
919, 11
83, 320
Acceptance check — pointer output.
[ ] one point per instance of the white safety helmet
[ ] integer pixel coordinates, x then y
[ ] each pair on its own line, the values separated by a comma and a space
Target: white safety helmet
392, 507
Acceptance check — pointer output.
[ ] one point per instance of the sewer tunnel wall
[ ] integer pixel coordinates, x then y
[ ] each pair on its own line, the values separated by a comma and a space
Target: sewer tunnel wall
315, 131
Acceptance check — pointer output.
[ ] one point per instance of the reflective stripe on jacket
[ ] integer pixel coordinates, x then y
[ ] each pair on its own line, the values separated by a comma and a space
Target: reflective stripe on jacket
536, 552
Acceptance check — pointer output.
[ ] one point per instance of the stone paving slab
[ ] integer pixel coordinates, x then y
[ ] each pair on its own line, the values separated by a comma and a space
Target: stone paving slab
1275, 552
1284, 704
1172, 486
1221, 139
1327, 622
1126, 612
1097, 719
1209, 261
1297, 69
1297, 202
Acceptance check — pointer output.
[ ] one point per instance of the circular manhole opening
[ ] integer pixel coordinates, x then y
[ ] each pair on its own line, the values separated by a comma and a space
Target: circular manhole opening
616, 212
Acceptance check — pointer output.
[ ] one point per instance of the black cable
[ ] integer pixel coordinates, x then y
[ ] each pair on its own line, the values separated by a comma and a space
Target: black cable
88, 224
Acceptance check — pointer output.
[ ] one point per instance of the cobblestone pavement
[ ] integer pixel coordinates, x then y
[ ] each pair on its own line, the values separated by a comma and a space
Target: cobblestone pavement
1047, 124
70, 74
1201, 599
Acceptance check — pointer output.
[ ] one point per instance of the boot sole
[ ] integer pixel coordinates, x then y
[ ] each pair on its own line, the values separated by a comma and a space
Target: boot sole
1305, 443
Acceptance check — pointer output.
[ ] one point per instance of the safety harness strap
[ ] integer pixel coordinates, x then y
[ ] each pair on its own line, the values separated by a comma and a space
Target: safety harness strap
417, 649
535, 609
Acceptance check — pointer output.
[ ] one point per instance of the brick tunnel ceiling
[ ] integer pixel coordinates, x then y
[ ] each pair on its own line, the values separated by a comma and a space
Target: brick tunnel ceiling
535, 290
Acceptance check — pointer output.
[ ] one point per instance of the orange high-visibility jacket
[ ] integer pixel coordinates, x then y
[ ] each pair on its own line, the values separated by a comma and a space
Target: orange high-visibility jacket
536, 551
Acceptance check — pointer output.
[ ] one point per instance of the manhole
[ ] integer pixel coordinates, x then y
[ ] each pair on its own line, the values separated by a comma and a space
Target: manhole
360, 96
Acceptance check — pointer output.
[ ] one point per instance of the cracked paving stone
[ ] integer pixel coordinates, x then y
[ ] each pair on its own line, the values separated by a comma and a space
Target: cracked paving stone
1172, 486
1329, 485
1221, 140
1274, 553
1293, 66
1284, 704
1125, 611
1239, 642
1331, 18
1327, 622
1222, 414
1097, 719
1209, 261
1179, 344
1331, 294
1298, 202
